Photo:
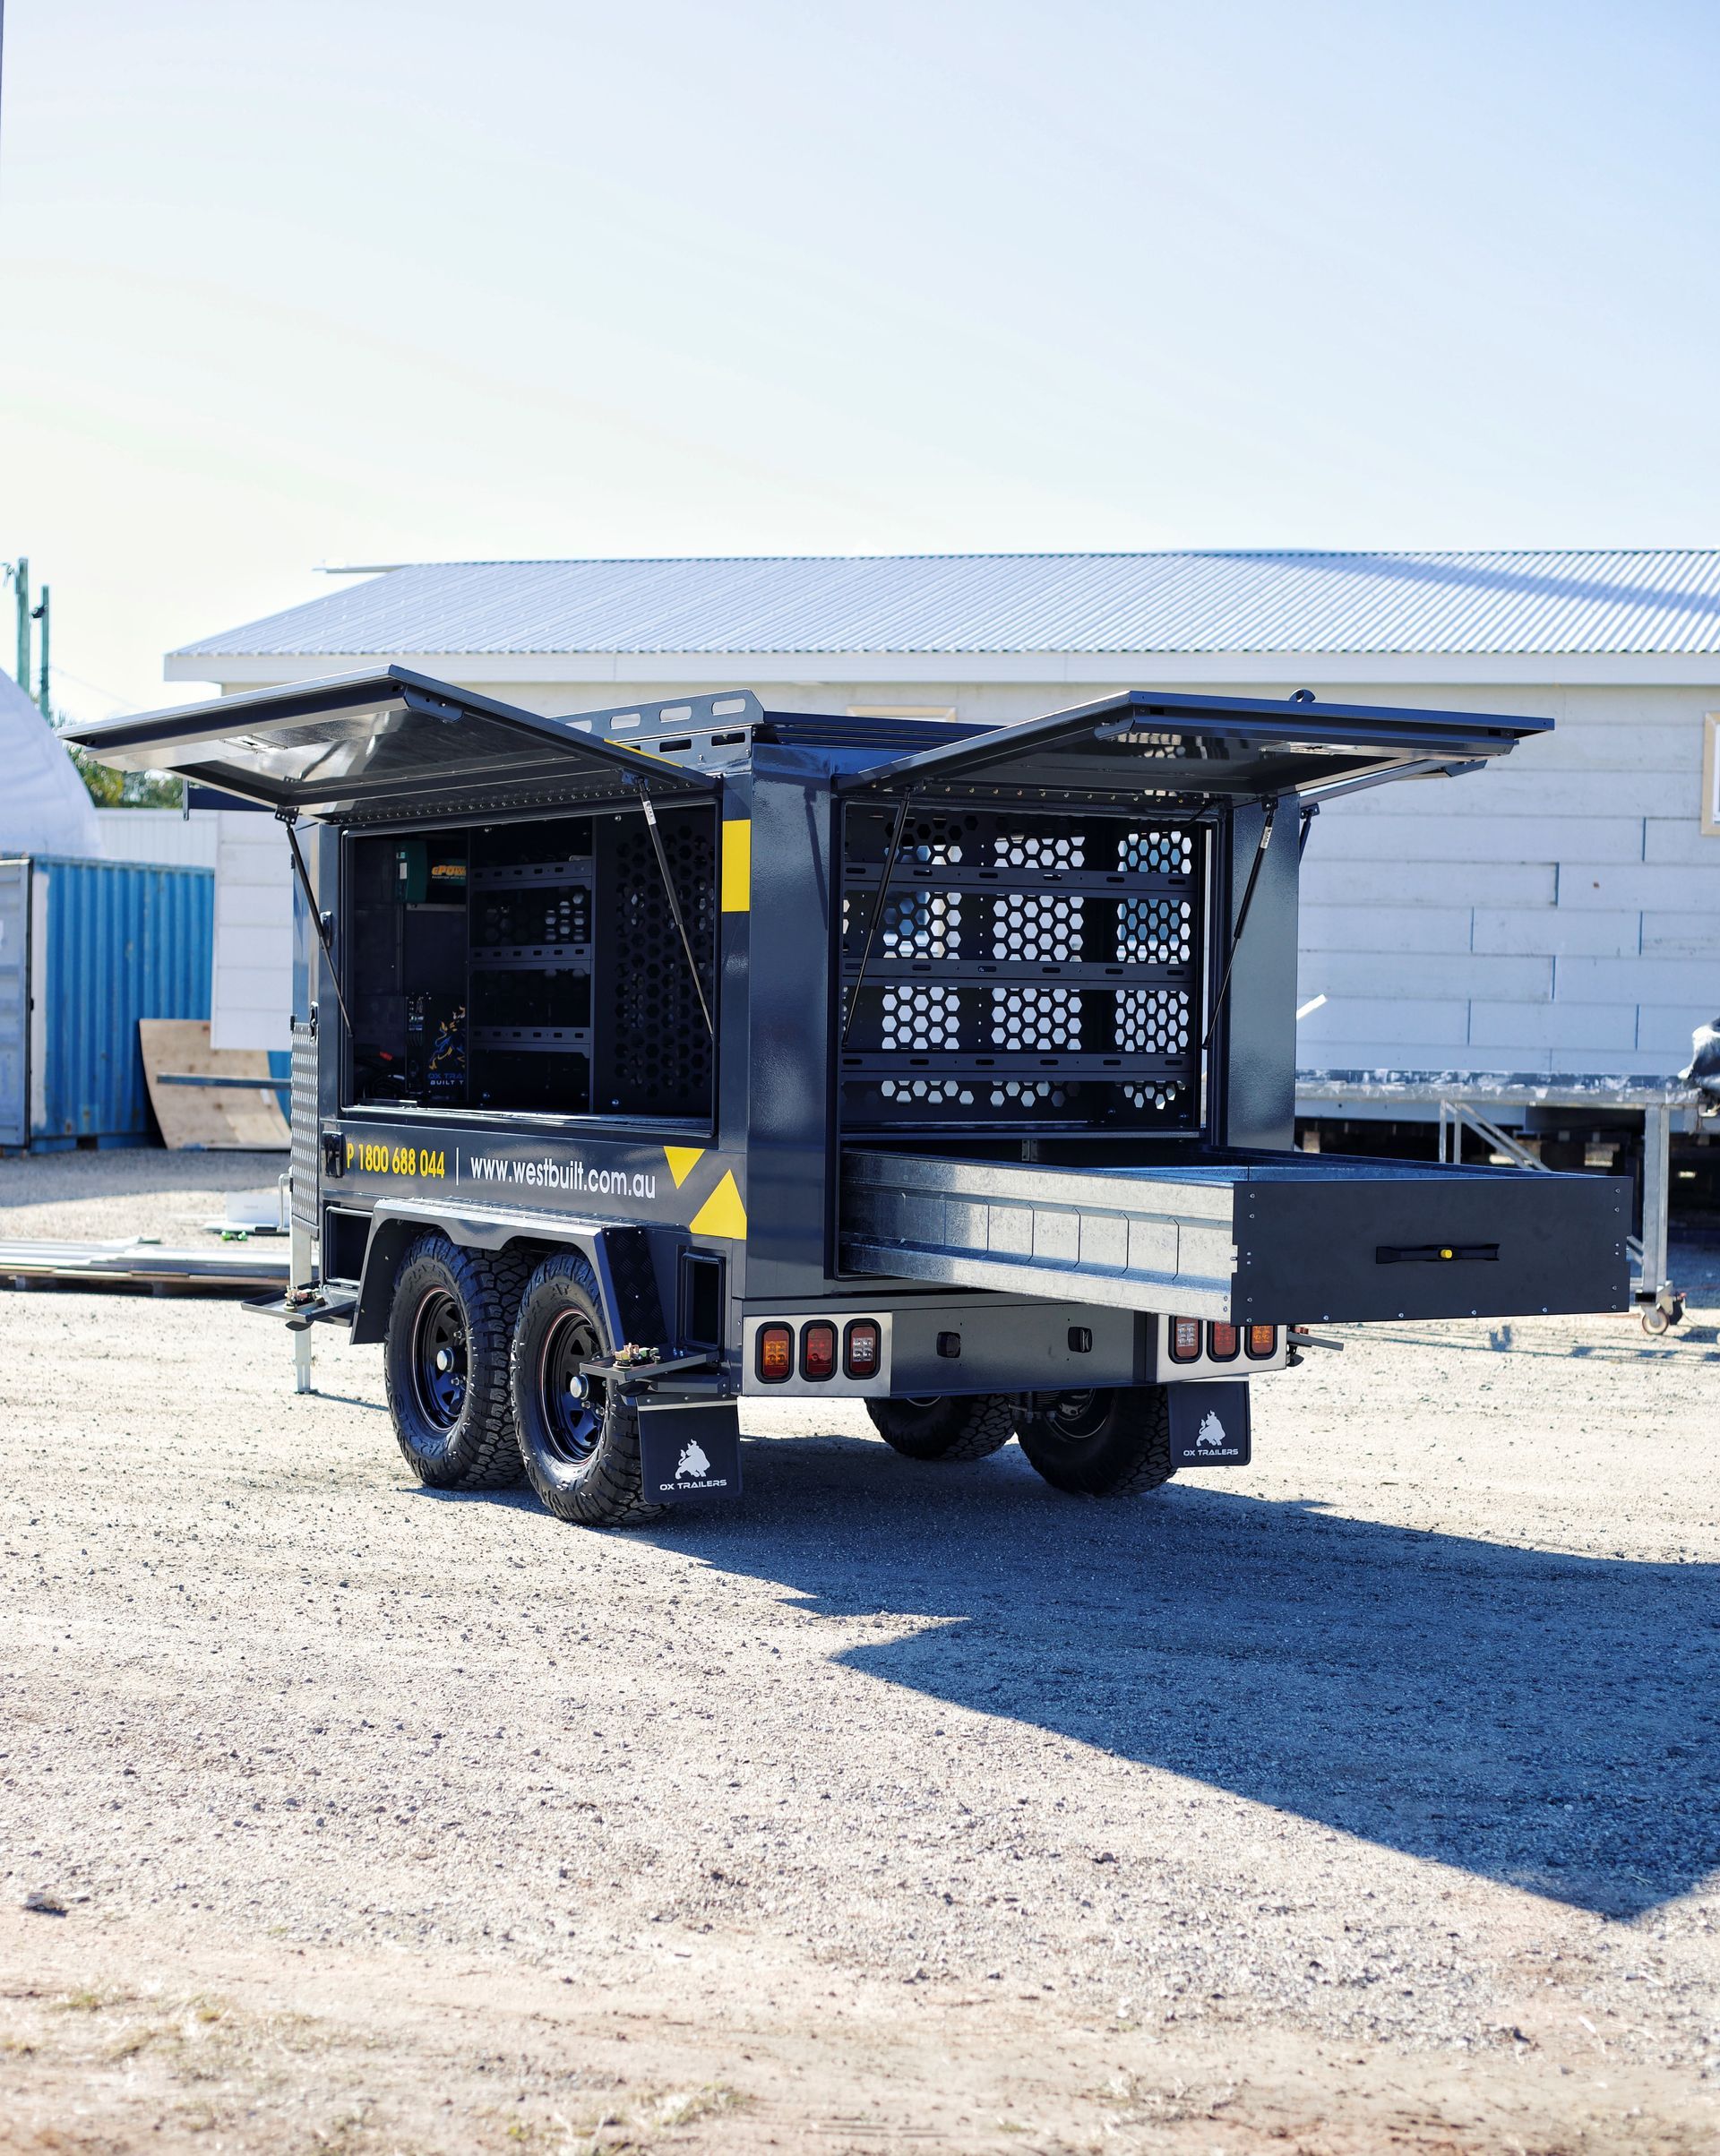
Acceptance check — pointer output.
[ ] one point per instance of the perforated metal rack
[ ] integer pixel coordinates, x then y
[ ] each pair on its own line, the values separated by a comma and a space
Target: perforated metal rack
658, 1055
1027, 968
307, 1168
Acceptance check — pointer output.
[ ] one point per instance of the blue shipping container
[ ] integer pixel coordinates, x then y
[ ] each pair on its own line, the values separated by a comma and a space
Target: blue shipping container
87, 949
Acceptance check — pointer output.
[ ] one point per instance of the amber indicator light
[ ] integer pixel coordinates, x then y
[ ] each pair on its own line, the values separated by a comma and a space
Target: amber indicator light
1221, 1343
1186, 1339
776, 1353
1262, 1342
860, 1348
818, 1351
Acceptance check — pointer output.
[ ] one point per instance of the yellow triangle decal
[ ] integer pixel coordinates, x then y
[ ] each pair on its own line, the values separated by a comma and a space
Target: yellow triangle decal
722, 1213
682, 1160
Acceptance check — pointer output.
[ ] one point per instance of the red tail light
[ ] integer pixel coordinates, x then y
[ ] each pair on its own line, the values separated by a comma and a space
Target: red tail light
776, 1353
860, 1348
818, 1351
1262, 1342
1185, 1340
1221, 1343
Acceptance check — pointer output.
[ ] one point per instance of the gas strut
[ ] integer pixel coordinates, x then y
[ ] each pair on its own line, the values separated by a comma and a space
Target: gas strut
1241, 918
286, 818
875, 916
675, 908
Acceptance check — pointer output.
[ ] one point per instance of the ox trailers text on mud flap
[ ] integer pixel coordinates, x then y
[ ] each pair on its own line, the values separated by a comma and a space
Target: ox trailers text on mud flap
656, 1058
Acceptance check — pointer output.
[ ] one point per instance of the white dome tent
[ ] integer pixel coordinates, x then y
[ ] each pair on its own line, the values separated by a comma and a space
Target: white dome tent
45, 807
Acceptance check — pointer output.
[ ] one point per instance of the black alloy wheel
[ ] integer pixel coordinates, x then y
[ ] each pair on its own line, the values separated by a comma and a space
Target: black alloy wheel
439, 1374
445, 1359
579, 1440
571, 1405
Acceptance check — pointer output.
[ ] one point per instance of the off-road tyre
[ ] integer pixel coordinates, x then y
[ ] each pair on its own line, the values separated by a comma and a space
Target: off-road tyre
455, 1426
582, 1453
1110, 1444
946, 1429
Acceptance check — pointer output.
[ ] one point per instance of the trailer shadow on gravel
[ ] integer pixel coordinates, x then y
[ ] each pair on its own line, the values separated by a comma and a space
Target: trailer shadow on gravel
1545, 1721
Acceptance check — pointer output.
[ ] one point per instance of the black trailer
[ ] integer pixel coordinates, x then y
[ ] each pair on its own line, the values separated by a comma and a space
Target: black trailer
656, 1058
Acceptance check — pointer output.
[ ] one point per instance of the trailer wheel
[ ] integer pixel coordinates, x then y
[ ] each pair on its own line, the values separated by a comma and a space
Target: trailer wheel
446, 1364
580, 1447
1112, 1444
945, 1430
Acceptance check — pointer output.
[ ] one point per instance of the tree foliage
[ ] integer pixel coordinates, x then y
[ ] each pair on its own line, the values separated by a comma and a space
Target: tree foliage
111, 789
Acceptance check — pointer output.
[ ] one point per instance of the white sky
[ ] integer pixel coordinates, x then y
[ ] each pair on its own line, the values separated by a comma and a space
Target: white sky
381, 280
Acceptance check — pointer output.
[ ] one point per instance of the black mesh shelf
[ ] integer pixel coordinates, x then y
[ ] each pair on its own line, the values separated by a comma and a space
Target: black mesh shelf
983, 1068
514, 875
909, 875
532, 957
534, 1040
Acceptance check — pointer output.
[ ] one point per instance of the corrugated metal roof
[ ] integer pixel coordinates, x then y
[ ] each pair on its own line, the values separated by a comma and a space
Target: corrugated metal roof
1624, 601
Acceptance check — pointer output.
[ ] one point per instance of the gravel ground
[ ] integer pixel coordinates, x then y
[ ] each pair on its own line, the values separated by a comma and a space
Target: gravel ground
132, 1190
1366, 1798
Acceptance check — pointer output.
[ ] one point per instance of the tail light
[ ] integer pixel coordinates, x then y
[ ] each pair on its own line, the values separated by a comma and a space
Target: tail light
776, 1353
1185, 1340
1223, 1342
860, 1348
818, 1351
1262, 1342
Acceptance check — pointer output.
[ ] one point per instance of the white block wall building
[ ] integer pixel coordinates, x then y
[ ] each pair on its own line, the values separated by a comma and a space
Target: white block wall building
1560, 913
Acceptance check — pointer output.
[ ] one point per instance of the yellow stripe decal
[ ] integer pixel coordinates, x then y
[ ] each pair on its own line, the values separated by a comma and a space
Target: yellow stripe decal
738, 866
722, 1213
682, 1160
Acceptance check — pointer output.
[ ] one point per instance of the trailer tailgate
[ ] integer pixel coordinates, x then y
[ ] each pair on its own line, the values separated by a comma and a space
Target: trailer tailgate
1267, 1237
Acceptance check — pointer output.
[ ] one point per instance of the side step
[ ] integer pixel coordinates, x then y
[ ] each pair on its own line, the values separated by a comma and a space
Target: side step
304, 1307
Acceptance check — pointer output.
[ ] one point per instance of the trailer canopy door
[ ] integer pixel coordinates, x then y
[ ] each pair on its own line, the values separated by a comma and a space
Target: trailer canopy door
384, 747
1200, 748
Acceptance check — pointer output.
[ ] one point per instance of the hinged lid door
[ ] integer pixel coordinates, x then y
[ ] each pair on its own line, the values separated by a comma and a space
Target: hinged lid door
1201, 747
382, 747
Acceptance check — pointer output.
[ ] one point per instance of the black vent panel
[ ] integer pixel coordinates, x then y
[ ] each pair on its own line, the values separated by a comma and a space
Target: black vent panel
1024, 969
660, 1060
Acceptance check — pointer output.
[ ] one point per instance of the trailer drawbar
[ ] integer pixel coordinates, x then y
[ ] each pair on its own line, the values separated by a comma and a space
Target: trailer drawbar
658, 1058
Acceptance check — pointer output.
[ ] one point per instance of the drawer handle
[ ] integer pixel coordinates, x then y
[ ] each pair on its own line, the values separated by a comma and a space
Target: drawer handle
1435, 1253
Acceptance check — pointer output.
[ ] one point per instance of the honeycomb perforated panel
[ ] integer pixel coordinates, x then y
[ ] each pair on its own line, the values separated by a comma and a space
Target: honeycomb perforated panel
657, 1052
1025, 969
305, 1159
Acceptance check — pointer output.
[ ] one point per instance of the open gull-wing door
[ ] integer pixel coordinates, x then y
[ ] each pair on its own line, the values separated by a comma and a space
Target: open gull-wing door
1141, 742
382, 747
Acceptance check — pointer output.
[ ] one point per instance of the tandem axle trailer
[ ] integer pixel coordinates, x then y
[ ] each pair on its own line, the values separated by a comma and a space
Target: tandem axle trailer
660, 1058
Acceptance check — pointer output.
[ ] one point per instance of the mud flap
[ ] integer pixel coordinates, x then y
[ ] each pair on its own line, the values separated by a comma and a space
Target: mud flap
689, 1450
1209, 1425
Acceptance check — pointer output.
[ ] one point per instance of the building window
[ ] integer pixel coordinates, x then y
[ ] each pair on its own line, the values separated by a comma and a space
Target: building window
901, 711
1711, 775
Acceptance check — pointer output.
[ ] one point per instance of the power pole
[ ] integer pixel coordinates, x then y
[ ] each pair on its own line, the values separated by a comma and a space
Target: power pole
43, 699
17, 574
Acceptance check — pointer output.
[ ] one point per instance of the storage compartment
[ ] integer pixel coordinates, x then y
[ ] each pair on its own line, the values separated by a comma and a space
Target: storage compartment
1257, 1237
1023, 968
500, 967
703, 1299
